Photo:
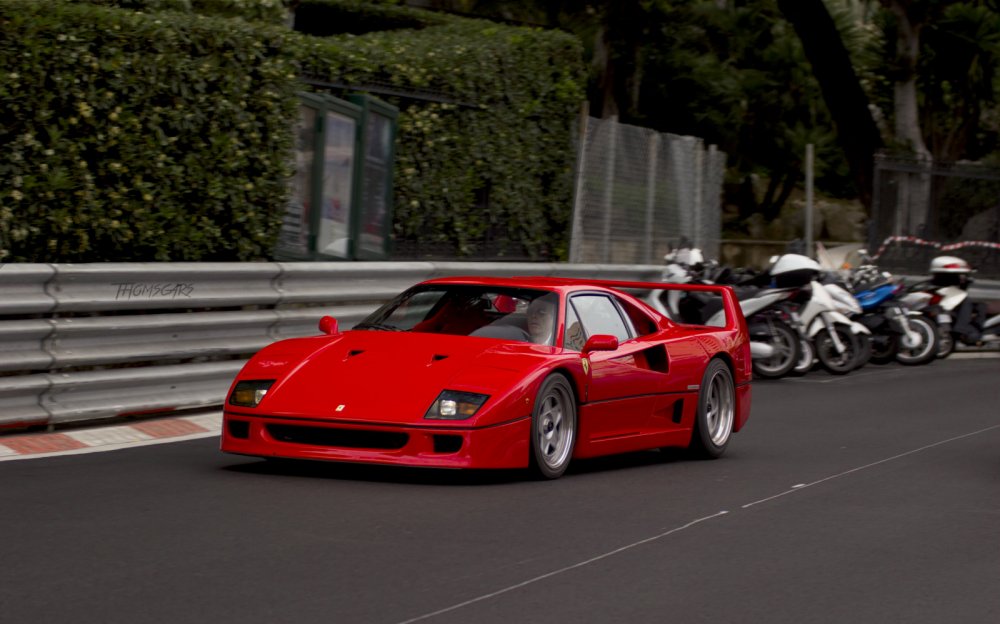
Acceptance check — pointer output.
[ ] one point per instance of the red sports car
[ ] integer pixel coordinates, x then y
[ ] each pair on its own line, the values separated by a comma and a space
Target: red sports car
477, 372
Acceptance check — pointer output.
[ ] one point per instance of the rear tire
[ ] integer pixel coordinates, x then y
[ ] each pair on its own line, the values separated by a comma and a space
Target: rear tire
785, 341
884, 347
553, 428
826, 350
806, 360
713, 426
946, 341
864, 353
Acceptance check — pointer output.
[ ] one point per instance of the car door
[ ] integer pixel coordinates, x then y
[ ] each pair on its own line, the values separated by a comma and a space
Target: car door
623, 390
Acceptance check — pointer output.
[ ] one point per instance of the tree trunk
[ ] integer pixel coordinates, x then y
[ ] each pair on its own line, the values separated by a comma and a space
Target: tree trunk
907, 113
857, 132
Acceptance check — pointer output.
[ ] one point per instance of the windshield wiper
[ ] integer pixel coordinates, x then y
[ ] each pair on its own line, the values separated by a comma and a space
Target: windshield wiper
381, 326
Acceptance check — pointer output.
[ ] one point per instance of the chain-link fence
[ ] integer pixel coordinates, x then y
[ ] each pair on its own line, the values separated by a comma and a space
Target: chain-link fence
921, 210
639, 191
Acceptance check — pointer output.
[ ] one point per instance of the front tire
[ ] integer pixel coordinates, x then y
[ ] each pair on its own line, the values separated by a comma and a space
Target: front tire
926, 350
826, 350
553, 428
713, 424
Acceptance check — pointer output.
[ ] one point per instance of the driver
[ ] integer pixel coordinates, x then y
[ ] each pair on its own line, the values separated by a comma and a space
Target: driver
542, 319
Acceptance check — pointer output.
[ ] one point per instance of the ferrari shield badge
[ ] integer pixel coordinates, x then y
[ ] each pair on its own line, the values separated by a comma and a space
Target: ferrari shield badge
586, 366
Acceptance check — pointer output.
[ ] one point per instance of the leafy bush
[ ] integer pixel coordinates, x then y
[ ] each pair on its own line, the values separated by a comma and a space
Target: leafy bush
167, 135
141, 137
496, 161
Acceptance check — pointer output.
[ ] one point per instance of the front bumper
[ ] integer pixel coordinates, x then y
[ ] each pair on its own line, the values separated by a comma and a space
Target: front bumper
500, 446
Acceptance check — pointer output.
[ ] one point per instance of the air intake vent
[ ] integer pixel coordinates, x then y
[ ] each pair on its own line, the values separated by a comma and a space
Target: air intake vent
437, 357
354, 352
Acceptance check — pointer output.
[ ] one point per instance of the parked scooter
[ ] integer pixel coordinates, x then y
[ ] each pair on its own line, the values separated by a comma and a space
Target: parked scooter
898, 332
945, 299
774, 346
823, 328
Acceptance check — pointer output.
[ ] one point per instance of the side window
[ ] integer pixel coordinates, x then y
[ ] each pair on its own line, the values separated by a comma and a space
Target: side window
599, 315
574, 338
640, 321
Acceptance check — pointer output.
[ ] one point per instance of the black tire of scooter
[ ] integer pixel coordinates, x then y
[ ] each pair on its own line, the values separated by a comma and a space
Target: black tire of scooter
783, 333
838, 364
864, 353
946, 342
928, 329
884, 348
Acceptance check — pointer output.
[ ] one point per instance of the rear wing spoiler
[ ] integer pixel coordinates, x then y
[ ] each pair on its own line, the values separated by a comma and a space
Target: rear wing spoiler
731, 305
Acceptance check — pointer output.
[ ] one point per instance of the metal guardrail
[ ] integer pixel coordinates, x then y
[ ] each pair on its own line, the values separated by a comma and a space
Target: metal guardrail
90, 342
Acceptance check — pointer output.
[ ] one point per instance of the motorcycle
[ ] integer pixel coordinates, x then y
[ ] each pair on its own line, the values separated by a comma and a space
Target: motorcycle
945, 299
898, 332
774, 345
825, 333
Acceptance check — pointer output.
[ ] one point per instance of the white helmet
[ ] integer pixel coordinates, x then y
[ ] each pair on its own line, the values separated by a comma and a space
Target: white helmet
950, 264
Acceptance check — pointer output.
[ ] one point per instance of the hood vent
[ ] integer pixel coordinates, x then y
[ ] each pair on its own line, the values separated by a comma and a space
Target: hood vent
437, 357
354, 352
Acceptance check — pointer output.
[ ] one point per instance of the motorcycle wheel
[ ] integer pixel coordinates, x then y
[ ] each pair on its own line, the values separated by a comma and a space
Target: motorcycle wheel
806, 360
864, 353
785, 341
826, 350
884, 348
926, 350
946, 342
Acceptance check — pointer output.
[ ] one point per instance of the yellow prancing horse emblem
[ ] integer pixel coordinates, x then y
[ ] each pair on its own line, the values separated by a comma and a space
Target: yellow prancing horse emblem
586, 366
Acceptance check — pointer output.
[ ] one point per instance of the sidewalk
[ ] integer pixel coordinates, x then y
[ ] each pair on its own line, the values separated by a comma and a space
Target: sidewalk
110, 437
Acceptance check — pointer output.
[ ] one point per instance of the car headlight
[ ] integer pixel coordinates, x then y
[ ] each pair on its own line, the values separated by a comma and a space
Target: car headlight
452, 405
250, 393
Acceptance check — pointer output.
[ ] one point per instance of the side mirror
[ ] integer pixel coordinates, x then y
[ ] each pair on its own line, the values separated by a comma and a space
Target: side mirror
328, 325
600, 342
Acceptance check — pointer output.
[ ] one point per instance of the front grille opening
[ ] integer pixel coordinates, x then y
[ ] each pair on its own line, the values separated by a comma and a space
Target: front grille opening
239, 429
344, 438
447, 443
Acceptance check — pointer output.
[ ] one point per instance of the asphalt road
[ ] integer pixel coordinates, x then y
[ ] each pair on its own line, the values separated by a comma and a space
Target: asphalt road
873, 497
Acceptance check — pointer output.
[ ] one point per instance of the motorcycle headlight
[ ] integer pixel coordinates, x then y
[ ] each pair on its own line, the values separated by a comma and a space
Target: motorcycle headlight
250, 393
453, 405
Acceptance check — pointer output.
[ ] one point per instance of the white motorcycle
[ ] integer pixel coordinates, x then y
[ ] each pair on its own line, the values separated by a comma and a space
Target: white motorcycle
774, 346
826, 333
945, 299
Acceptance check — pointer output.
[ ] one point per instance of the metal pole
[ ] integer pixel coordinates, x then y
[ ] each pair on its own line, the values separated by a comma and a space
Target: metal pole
654, 151
576, 230
609, 182
809, 201
699, 191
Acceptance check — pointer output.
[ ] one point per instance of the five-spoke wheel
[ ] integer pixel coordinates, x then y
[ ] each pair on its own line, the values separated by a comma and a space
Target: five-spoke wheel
553, 427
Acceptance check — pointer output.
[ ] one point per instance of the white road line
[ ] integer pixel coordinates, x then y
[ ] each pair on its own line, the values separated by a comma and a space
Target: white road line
560, 570
801, 486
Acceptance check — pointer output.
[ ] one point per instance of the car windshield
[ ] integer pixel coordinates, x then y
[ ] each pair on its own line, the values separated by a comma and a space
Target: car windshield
468, 310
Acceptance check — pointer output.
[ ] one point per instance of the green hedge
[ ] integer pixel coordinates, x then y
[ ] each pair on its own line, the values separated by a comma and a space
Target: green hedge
506, 142
166, 136
140, 137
